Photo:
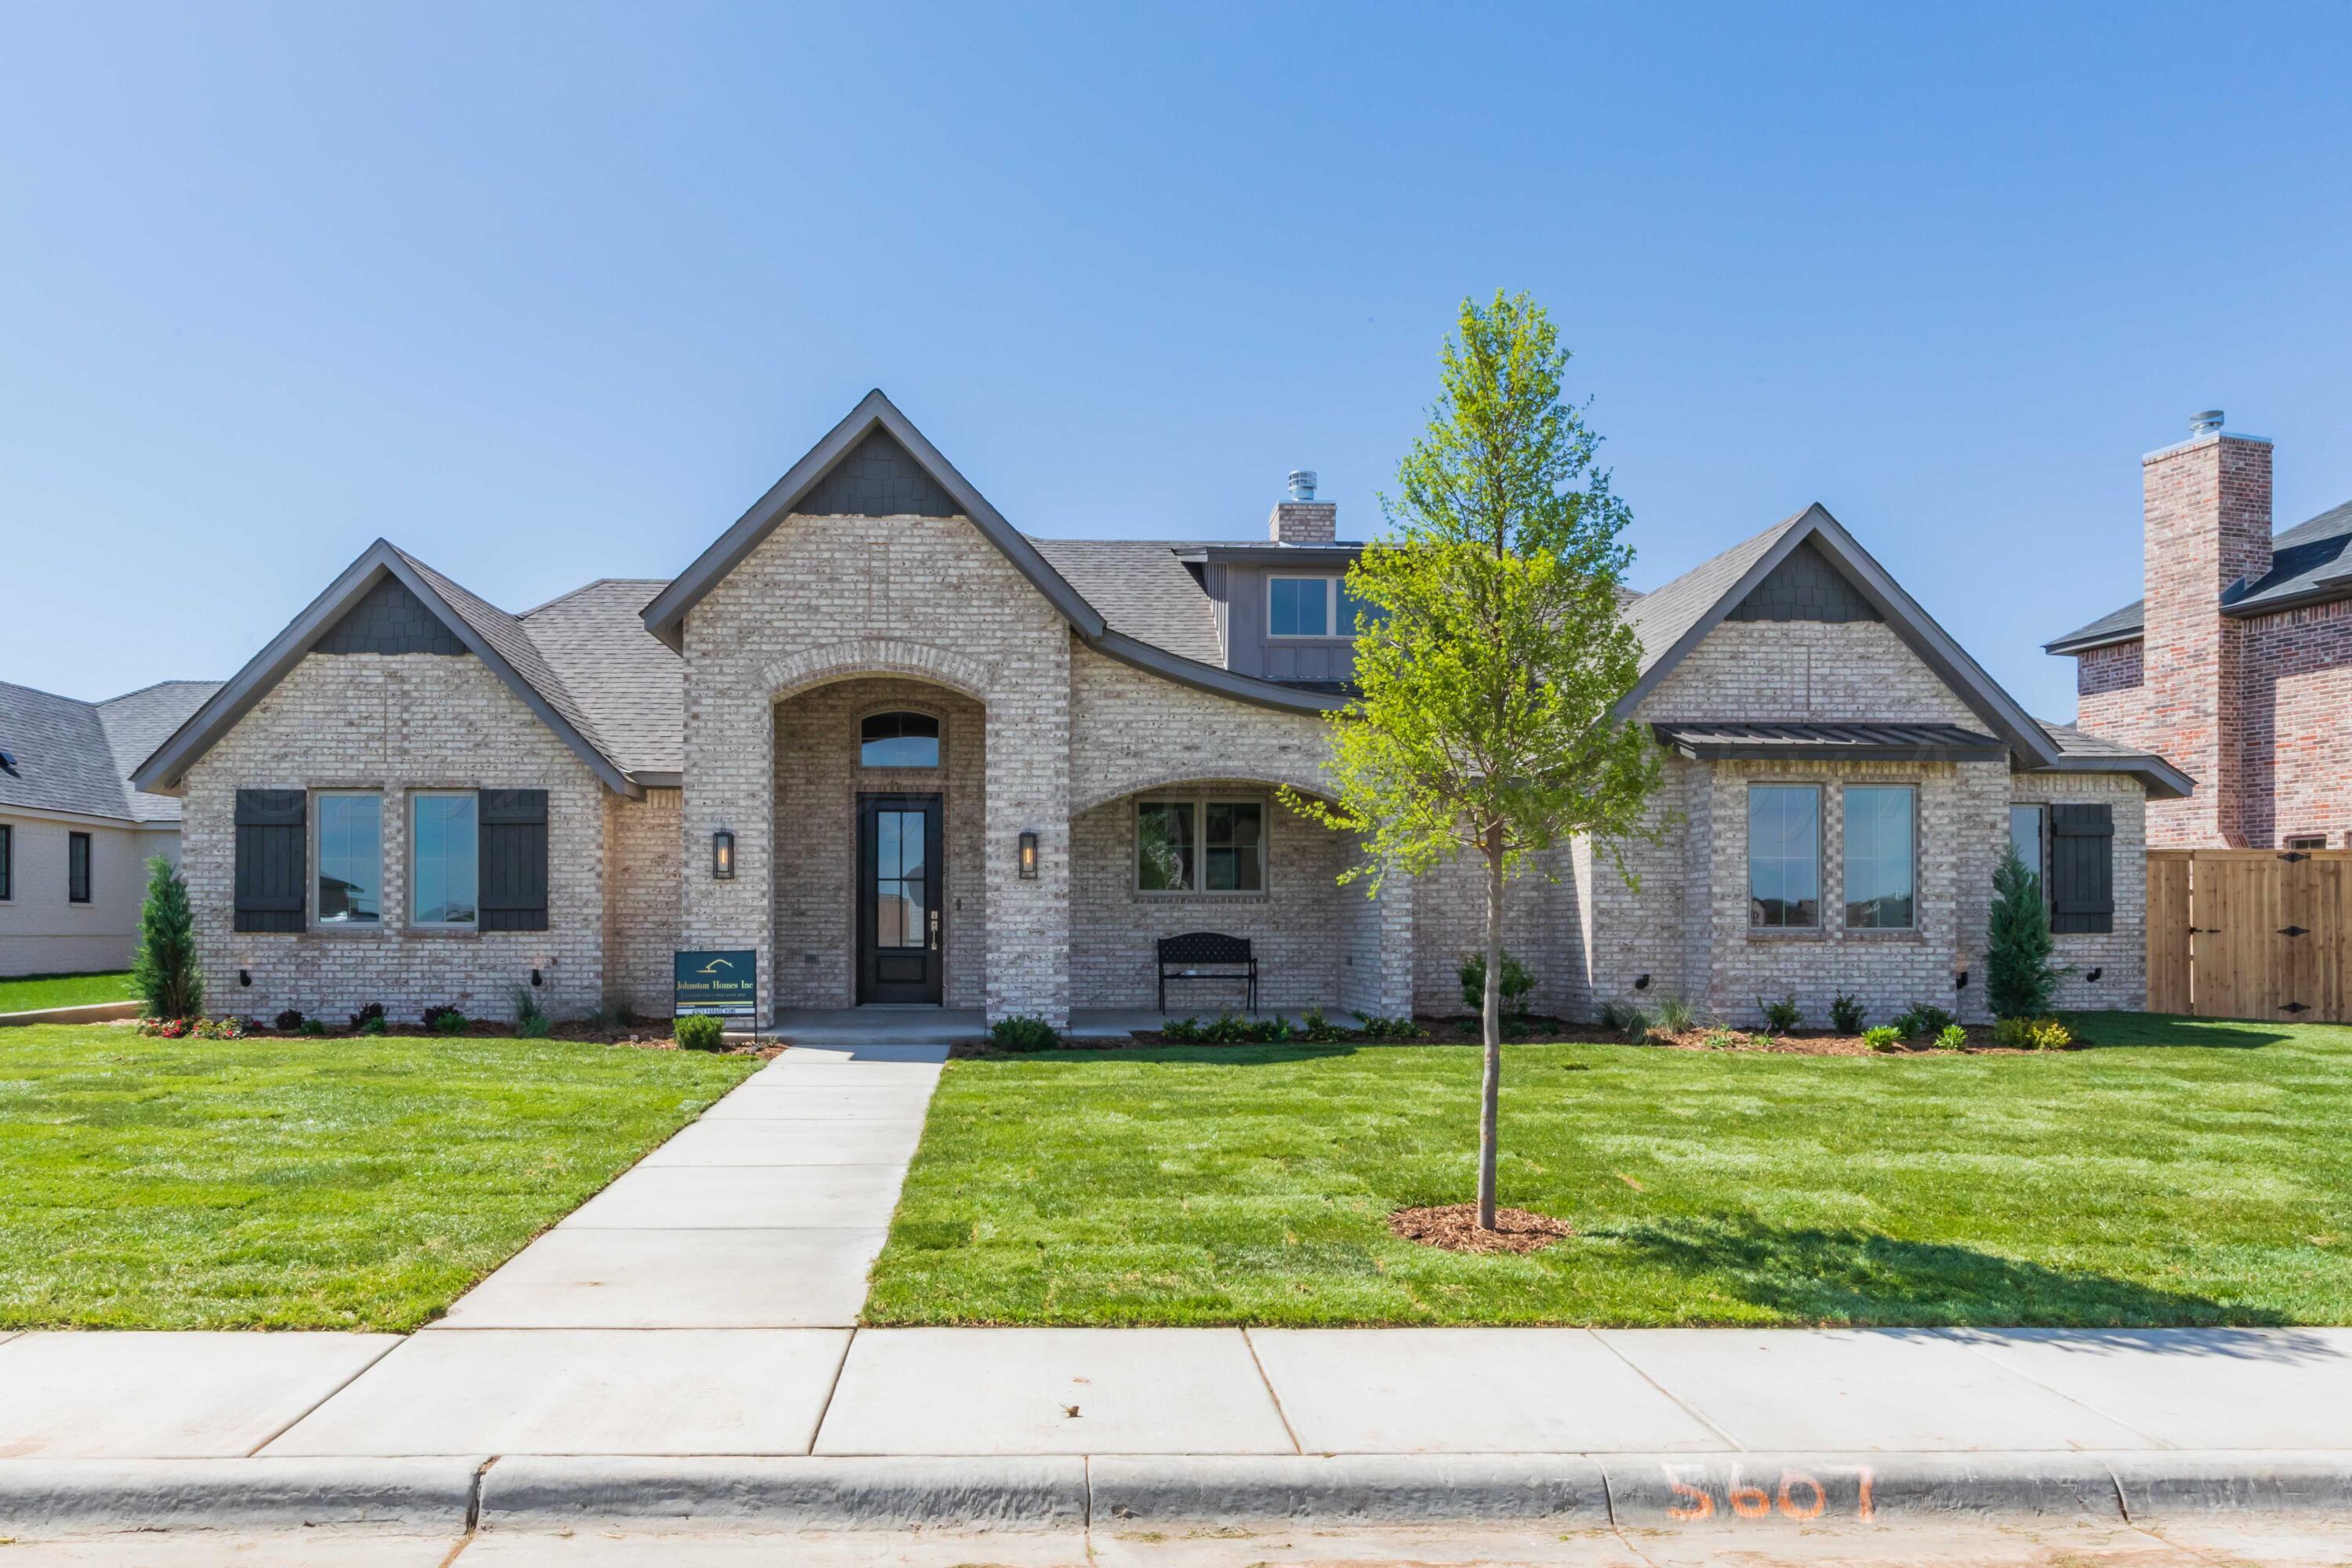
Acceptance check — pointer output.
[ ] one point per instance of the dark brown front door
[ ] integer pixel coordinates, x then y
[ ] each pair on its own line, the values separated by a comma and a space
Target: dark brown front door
898, 913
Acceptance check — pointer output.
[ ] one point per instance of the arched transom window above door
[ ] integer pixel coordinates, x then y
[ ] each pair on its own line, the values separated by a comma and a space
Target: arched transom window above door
898, 740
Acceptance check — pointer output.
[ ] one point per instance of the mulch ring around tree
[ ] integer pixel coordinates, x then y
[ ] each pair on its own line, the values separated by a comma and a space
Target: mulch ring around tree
1455, 1227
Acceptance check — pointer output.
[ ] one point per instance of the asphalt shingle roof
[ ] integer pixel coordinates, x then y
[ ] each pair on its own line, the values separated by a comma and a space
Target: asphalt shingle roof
1661, 617
2314, 556
628, 679
76, 756
1141, 589
510, 639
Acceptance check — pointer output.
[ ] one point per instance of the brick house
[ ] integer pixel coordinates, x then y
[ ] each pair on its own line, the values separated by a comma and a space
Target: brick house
911, 755
2236, 664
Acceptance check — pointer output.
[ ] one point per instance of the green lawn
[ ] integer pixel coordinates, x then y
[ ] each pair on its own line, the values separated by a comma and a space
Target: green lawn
2185, 1172
336, 1184
34, 992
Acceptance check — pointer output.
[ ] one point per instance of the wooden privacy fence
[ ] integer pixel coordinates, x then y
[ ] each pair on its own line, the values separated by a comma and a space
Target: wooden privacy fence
2250, 933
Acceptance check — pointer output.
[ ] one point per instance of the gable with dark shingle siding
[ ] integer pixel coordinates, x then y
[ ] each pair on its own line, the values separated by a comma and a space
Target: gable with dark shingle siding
389, 619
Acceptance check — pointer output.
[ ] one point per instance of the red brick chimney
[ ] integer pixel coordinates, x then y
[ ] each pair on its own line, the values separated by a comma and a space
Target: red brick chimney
2208, 526
1303, 520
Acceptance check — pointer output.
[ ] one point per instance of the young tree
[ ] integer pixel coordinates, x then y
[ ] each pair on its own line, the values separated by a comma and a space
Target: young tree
2019, 979
164, 971
1491, 652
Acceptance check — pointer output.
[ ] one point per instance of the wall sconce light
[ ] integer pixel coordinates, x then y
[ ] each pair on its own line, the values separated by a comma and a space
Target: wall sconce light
722, 855
1028, 854
534, 977
244, 977
1961, 983
1642, 982
2093, 976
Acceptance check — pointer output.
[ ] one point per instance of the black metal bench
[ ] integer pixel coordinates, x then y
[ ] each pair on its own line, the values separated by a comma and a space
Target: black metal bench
1207, 956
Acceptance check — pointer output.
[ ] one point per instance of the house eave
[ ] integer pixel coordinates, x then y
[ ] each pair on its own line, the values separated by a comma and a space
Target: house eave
2161, 779
1209, 678
2069, 646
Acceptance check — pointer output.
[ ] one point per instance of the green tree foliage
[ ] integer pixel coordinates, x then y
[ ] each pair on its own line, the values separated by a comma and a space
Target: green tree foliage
2019, 975
164, 971
1492, 652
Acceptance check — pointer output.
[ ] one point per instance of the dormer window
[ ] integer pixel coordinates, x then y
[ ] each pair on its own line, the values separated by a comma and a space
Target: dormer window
1311, 607
898, 740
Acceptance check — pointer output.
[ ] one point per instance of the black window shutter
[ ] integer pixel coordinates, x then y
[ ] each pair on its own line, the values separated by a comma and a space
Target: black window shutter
2082, 868
270, 840
514, 859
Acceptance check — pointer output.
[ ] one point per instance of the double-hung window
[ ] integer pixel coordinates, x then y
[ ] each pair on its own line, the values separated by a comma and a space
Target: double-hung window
1199, 845
7, 862
77, 867
445, 860
350, 858
2029, 835
1879, 857
1784, 856
1298, 606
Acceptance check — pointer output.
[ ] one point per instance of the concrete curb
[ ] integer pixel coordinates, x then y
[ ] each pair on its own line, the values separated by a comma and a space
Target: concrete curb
1669, 1491
88, 1013
1663, 1492
2160, 1486
53, 1497
1354, 1488
814, 1493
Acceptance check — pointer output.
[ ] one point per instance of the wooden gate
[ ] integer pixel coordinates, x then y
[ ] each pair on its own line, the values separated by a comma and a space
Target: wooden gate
2250, 933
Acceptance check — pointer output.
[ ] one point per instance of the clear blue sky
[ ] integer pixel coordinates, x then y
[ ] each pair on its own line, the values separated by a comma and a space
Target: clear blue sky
551, 293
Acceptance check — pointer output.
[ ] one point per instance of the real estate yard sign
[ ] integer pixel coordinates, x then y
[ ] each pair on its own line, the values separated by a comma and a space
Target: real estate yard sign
722, 984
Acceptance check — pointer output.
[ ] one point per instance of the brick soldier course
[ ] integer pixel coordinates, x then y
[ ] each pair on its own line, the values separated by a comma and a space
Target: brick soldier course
1070, 683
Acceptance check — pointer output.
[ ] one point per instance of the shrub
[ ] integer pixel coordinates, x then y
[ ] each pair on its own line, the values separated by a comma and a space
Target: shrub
1320, 1029
2042, 1034
1722, 1040
1228, 1030
312, 1026
530, 1020
700, 1032
1951, 1038
1183, 1031
1674, 1014
1376, 1028
377, 1024
446, 1020
1780, 1016
1023, 1032
1629, 1021
2019, 979
1846, 1012
193, 1028
372, 1014
164, 971
1517, 983
1923, 1020
1885, 1038
289, 1022
1274, 1031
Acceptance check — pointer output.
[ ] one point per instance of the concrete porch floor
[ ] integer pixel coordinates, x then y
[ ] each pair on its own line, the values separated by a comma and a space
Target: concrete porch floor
950, 1025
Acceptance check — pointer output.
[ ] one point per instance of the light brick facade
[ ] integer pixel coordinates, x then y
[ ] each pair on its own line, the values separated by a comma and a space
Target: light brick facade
398, 723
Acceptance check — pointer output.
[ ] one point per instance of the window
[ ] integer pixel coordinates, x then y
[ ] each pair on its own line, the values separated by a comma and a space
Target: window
1164, 845
2025, 836
1234, 839
8, 861
898, 740
1878, 857
444, 860
78, 868
351, 861
1352, 607
1298, 606
2302, 841
1784, 856
1200, 846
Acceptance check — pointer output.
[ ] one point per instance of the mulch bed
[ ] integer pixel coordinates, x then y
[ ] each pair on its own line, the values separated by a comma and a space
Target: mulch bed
1455, 1227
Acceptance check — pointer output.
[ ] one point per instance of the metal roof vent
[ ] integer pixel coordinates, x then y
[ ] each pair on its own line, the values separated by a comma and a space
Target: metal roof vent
2206, 424
1302, 484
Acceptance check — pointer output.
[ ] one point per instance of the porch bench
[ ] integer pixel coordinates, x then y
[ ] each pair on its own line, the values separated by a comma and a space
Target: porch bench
1207, 956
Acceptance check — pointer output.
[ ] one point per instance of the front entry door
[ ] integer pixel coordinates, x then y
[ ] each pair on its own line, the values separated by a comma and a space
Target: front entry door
899, 915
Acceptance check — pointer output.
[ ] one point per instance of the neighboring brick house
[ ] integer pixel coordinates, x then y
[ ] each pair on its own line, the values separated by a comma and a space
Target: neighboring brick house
75, 835
2237, 663
909, 755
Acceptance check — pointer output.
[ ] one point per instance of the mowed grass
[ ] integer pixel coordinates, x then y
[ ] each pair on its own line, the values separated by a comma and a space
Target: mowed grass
2185, 1172
31, 993
336, 1184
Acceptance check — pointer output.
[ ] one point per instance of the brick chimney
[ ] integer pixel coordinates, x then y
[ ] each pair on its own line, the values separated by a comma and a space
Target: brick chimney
2206, 511
1303, 520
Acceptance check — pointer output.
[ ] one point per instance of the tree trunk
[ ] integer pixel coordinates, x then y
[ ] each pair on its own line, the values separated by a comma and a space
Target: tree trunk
1491, 1018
